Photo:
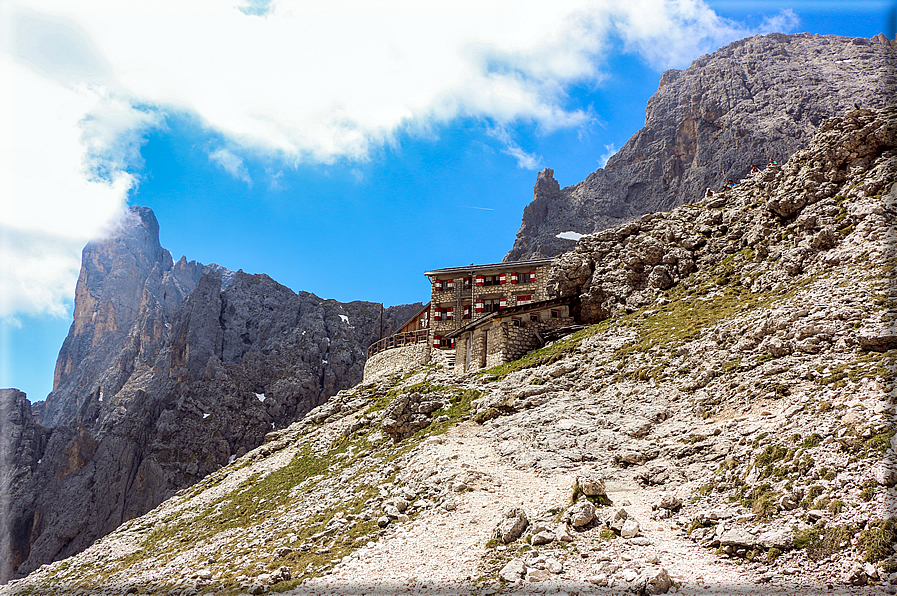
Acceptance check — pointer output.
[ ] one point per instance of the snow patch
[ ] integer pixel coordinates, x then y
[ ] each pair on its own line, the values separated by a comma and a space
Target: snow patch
570, 235
345, 319
261, 397
204, 416
231, 459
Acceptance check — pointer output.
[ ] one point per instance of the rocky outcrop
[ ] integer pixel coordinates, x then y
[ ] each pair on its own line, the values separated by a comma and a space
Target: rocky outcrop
755, 99
777, 223
22, 445
169, 372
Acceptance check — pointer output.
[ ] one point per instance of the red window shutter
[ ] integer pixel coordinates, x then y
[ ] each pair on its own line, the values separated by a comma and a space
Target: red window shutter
450, 284
467, 312
502, 278
437, 285
453, 342
436, 339
502, 302
449, 314
532, 276
437, 314
514, 277
479, 305
480, 280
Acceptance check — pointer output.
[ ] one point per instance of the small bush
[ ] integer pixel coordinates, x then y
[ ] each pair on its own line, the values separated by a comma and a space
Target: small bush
878, 539
772, 554
824, 542
868, 490
812, 441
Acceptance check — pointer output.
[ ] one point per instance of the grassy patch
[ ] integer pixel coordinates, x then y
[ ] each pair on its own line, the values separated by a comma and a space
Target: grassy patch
824, 542
878, 539
761, 500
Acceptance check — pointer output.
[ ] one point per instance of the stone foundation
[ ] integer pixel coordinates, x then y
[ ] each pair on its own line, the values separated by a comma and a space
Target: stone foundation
396, 360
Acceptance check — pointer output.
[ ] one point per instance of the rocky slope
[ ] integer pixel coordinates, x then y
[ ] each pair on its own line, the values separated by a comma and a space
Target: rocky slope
753, 99
728, 422
170, 370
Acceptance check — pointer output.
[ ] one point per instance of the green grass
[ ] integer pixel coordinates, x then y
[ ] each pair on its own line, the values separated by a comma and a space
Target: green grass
878, 539
824, 542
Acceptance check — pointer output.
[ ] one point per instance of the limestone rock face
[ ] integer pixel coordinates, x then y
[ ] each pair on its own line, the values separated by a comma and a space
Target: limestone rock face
22, 444
615, 271
756, 98
170, 370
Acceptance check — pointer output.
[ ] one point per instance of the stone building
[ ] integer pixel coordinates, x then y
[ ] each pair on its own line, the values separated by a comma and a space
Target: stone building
493, 313
461, 295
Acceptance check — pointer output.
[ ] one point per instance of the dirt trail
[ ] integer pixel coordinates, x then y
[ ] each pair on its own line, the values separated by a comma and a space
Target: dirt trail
445, 552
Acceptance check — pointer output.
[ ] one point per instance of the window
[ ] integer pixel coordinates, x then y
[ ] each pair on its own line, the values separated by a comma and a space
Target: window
488, 304
525, 278
521, 300
534, 317
443, 313
446, 343
442, 285
515, 321
555, 314
492, 280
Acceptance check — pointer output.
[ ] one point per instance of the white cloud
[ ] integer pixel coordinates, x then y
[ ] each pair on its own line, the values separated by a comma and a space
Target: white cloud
275, 179
291, 81
609, 150
37, 273
231, 164
527, 161
669, 34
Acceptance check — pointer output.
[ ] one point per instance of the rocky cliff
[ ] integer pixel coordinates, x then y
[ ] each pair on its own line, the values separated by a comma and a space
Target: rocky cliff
727, 422
754, 99
170, 370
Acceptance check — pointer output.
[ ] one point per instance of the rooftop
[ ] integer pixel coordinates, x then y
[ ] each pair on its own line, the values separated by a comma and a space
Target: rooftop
504, 266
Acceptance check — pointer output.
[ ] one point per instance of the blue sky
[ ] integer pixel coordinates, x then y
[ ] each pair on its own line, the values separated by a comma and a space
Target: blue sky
342, 148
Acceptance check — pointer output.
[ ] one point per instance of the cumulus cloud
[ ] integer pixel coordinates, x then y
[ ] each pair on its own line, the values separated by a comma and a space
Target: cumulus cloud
37, 273
65, 152
671, 33
291, 82
231, 164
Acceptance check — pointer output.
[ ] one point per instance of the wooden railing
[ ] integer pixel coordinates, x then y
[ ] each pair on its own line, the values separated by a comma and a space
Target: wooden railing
398, 340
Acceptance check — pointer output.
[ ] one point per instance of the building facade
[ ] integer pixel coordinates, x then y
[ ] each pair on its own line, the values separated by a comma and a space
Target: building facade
508, 334
462, 295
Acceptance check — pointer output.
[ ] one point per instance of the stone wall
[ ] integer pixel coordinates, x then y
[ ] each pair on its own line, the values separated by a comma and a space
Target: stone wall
522, 340
396, 360
500, 342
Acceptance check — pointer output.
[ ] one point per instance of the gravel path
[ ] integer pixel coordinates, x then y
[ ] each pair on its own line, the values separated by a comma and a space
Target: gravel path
444, 552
